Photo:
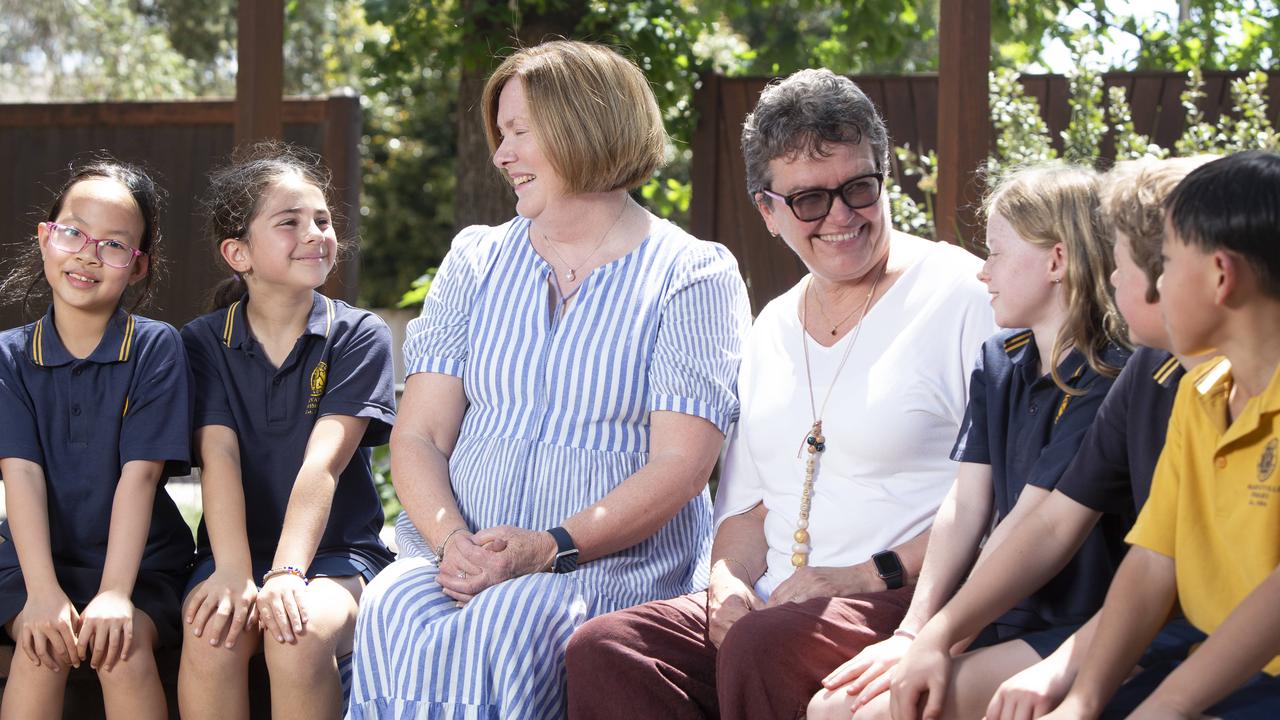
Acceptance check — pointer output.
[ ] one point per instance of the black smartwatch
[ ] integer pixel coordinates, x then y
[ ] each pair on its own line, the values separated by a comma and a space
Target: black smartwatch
889, 568
566, 559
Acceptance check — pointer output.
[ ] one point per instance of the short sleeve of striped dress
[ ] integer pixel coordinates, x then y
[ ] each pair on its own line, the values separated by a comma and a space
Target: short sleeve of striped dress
437, 339
697, 350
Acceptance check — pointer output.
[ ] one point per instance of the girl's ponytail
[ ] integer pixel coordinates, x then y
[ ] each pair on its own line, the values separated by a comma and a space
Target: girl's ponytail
227, 291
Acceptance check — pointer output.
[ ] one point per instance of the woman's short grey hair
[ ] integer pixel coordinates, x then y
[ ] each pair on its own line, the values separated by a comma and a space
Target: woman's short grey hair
802, 114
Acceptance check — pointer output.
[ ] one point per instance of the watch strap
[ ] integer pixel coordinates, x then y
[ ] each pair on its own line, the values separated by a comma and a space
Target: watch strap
566, 559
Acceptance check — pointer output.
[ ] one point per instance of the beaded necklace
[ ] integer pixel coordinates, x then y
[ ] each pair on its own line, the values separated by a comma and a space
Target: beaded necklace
815, 442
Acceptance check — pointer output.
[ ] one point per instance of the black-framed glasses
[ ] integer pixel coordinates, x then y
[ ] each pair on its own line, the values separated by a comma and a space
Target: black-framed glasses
70, 239
815, 203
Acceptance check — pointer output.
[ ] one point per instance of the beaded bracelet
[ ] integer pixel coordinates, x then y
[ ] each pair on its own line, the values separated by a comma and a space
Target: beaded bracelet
286, 570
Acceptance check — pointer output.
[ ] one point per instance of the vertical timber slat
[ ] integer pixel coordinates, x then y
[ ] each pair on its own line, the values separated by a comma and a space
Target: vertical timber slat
342, 129
704, 174
964, 125
259, 70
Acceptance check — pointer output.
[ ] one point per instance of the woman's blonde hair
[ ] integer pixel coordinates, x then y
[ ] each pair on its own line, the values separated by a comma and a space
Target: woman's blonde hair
592, 111
1133, 201
1055, 203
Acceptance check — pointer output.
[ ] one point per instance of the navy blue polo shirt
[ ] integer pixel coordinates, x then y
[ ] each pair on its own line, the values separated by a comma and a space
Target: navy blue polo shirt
1028, 430
81, 420
341, 365
1112, 472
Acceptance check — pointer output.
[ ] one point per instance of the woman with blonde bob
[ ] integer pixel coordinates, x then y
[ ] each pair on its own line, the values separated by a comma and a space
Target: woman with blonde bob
571, 379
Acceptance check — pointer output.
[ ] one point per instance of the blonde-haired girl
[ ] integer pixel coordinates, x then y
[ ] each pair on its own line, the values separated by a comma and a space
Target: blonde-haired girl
1033, 395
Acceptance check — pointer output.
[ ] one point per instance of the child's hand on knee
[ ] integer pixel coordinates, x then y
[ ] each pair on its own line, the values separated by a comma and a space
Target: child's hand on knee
47, 633
1032, 692
282, 607
106, 626
225, 604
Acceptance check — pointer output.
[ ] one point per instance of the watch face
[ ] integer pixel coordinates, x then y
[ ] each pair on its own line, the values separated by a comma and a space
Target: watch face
887, 564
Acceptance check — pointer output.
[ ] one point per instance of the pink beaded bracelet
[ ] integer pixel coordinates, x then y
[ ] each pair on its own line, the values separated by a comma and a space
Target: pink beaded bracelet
286, 570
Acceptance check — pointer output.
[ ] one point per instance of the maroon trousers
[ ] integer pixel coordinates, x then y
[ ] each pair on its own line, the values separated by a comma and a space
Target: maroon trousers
655, 661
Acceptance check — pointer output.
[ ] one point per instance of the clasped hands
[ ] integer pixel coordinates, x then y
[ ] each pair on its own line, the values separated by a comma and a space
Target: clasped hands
730, 597
473, 562
53, 635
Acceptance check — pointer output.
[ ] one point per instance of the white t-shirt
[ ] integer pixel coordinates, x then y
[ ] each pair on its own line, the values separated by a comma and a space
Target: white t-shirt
889, 425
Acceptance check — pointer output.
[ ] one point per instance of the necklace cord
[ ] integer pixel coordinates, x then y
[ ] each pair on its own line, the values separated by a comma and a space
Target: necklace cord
804, 340
573, 270
814, 441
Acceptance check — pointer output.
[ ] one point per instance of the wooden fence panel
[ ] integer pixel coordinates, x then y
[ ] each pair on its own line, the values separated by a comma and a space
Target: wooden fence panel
722, 211
179, 142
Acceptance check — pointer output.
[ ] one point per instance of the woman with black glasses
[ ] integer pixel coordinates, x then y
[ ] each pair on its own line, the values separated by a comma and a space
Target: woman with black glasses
852, 387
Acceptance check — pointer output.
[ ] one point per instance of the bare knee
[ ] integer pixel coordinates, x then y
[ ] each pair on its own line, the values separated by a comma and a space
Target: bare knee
310, 657
36, 672
199, 657
830, 705
877, 709
137, 669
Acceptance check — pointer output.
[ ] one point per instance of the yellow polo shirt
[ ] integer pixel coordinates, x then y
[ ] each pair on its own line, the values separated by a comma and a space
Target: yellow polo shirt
1215, 497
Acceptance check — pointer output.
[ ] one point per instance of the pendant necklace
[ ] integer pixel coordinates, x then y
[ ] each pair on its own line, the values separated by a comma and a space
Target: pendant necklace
836, 325
572, 274
814, 441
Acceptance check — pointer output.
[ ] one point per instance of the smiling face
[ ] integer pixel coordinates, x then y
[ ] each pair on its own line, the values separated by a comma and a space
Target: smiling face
520, 157
1018, 275
1146, 325
290, 241
105, 210
845, 245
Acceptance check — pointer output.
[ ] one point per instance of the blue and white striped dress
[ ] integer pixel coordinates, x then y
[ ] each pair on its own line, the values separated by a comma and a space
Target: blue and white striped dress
557, 417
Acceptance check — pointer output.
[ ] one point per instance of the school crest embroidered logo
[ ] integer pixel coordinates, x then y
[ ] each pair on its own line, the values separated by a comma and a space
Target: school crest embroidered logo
318, 376
1267, 463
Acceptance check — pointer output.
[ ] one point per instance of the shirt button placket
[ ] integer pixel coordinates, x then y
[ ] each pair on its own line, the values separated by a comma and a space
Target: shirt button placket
78, 429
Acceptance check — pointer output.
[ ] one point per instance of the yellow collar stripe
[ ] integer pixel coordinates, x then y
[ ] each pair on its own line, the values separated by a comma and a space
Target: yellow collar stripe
1017, 341
37, 344
1066, 398
1163, 372
127, 344
126, 406
230, 323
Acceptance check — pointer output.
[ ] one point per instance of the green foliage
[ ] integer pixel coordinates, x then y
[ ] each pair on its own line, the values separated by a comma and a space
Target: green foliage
1199, 136
116, 54
907, 214
1021, 135
1252, 128
1214, 34
418, 290
381, 466
1082, 139
786, 35
1129, 144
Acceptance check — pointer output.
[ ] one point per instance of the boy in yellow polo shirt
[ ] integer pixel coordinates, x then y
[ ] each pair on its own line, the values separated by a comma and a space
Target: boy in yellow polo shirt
1209, 535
